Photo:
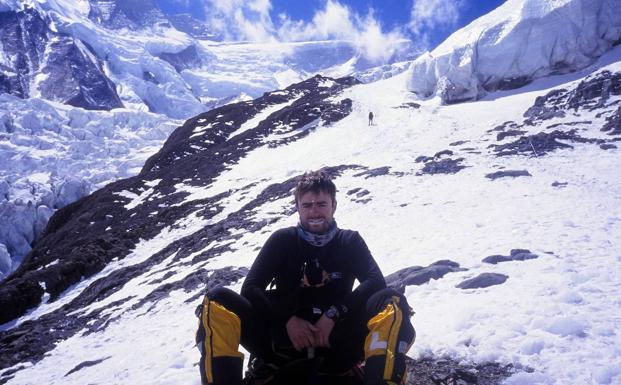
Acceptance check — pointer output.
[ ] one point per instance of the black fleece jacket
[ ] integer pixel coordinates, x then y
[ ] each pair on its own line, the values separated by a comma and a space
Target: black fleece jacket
330, 271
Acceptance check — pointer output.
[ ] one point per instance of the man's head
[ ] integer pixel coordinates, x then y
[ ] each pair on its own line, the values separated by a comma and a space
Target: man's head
315, 199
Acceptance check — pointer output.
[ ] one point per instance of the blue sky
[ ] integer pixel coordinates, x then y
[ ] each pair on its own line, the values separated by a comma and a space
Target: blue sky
426, 22
394, 13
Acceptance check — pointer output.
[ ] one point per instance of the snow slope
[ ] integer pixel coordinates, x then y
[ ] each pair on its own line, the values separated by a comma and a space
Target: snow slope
555, 318
519, 41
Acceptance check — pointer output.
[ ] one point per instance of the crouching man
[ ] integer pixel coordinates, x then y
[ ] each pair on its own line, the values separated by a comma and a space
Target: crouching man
298, 298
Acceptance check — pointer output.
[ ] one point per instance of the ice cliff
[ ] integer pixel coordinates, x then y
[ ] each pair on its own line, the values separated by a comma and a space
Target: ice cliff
520, 41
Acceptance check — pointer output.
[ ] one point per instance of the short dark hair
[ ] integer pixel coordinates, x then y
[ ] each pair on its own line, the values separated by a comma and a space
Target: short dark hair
315, 181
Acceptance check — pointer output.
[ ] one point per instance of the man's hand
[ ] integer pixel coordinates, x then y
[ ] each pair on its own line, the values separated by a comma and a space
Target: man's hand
324, 327
301, 333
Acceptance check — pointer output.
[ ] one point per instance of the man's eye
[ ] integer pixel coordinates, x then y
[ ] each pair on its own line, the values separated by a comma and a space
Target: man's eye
322, 204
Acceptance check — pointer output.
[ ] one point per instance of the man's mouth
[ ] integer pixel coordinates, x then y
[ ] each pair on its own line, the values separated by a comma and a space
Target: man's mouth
316, 222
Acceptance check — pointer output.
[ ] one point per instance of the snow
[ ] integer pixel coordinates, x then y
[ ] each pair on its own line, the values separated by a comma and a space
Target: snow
138, 199
261, 116
557, 314
519, 41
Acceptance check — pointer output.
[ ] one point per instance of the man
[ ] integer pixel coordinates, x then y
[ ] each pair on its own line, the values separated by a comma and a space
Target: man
310, 305
370, 118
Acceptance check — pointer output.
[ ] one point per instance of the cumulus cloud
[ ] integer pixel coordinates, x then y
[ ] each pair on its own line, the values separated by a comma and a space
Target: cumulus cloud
251, 20
241, 19
429, 15
337, 21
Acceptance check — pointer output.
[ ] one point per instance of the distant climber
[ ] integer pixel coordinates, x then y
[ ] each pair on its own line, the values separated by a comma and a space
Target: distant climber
370, 118
310, 312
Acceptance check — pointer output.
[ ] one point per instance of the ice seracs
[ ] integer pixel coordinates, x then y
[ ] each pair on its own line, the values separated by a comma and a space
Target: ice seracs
519, 41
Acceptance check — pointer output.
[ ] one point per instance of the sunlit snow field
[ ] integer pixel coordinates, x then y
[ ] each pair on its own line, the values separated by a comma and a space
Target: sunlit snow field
558, 315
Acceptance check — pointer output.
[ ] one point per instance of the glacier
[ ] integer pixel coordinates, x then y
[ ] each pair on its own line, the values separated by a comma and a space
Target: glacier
518, 42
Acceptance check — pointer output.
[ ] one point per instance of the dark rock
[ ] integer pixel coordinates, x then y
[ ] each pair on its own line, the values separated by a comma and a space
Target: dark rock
74, 75
518, 251
595, 90
548, 106
87, 87
523, 256
592, 93
502, 135
409, 105
360, 192
559, 184
442, 153
613, 123
570, 124
483, 280
458, 143
435, 165
423, 158
494, 259
205, 278
504, 126
607, 146
443, 166
536, 145
507, 173
184, 59
445, 371
515, 255
374, 172
418, 275
86, 364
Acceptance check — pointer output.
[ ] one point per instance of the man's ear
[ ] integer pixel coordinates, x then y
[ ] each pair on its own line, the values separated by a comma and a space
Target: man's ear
333, 206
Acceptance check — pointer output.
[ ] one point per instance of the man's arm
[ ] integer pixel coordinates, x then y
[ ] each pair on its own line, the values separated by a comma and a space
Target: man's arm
367, 272
262, 272
371, 280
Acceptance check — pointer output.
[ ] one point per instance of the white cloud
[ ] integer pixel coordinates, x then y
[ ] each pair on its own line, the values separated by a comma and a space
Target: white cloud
337, 21
241, 19
376, 45
427, 15
251, 20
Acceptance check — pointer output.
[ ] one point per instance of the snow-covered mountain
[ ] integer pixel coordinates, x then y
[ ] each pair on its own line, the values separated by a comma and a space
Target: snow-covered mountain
500, 219
90, 89
518, 42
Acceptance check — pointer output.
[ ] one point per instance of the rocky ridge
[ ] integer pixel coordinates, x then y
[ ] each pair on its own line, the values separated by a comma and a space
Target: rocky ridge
40, 61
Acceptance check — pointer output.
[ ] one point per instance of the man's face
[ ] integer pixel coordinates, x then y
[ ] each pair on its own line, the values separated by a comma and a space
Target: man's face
316, 211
